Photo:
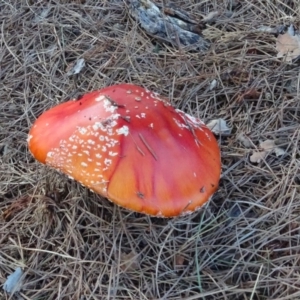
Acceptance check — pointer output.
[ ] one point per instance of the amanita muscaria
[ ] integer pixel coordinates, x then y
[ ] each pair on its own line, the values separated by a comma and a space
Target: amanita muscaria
130, 145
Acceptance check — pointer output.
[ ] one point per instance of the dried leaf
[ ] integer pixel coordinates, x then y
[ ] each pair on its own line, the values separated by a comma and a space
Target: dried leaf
236, 76
45, 208
179, 260
251, 93
16, 206
42, 15
244, 140
279, 151
257, 157
51, 50
268, 29
77, 67
288, 44
13, 282
211, 15
270, 145
267, 145
293, 84
130, 262
213, 85
219, 126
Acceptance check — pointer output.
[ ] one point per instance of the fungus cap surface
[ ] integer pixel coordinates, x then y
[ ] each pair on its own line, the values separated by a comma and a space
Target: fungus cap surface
130, 145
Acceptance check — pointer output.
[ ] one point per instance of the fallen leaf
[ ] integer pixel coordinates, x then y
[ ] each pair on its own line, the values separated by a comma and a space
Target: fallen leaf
45, 208
293, 84
179, 261
40, 17
13, 283
213, 85
268, 146
76, 67
268, 29
211, 15
219, 126
51, 50
16, 206
244, 140
288, 44
250, 93
279, 151
130, 262
257, 157
236, 76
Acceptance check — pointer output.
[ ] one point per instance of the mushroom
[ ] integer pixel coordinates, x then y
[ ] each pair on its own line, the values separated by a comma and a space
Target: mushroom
131, 146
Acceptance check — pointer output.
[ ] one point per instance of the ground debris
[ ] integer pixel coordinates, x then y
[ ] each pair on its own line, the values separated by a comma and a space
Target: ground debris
257, 157
168, 24
13, 283
130, 262
249, 94
245, 140
268, 146
268, 29
288, 44
180, 262
76, 67
44, 208
219, 127
236, 76
16, 206
213, 85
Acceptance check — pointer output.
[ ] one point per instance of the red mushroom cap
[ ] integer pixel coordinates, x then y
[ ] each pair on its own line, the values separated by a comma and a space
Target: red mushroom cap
131, 146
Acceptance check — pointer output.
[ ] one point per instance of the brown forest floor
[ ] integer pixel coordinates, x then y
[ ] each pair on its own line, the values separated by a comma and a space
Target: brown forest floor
73, 244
